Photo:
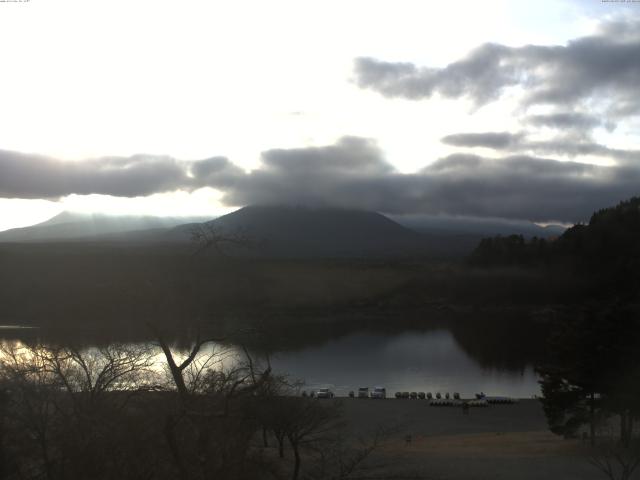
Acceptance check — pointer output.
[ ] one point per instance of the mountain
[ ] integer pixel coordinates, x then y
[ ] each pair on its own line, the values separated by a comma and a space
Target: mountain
84, 226
457, 236
475, 226
290, 231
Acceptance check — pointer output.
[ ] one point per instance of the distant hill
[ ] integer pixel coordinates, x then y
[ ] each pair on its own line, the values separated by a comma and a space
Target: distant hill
295, 231
457, 236
607, 248
84, 226
475, 226
290, 231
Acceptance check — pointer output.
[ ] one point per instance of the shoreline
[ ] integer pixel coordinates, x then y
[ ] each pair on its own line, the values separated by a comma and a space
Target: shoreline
496, 442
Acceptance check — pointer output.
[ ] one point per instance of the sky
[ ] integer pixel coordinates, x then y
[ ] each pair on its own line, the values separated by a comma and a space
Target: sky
514, 109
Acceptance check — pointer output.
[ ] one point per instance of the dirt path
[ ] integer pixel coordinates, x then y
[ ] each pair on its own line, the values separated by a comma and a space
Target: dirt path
498, 442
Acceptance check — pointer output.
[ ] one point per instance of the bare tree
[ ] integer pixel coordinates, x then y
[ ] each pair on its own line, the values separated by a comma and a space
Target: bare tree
615, 460
66, 410
208, 236
211, 431
307, 424
87, 375
344, 459
187, 373
76, 413
274, 410
30, 407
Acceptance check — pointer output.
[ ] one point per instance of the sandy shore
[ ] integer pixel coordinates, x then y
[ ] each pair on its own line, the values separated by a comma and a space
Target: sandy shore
498, 442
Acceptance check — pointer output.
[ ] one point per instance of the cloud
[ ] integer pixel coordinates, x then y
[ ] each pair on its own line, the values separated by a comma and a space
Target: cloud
478, 76
352, 173
572, 147
37, 176
598, 70
566, 120
520, 186
345, 174
567, 145
496, 140
213, 172
349, 156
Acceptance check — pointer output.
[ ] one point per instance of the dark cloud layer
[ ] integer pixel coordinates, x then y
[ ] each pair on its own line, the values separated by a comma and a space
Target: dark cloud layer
515, 186
603, 67
36, 176
520, 186
566, 120
497, 140
352, 173
569, 145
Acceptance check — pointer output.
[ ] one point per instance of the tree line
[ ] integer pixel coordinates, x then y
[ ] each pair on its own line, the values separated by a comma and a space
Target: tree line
606, 249
590, 375
137, 412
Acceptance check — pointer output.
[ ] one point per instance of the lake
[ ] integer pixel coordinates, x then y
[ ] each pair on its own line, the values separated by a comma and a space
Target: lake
432, 360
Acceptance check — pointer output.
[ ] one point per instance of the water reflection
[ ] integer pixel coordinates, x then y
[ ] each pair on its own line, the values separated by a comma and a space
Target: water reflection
410, 361
451, 359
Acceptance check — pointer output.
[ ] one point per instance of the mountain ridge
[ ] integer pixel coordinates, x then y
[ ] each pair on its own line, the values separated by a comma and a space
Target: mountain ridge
287, 231
86, 226
295, 231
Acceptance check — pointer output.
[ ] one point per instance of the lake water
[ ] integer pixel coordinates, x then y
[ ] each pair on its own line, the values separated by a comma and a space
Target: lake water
430, 361
408, 360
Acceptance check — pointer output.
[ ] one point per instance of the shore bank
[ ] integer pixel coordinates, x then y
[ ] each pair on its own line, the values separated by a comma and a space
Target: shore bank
497, 442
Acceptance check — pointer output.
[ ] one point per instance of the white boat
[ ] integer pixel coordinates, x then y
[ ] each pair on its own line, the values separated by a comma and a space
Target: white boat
379, 392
